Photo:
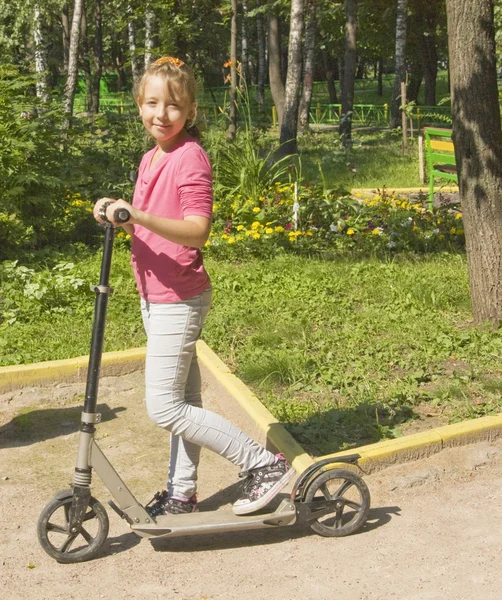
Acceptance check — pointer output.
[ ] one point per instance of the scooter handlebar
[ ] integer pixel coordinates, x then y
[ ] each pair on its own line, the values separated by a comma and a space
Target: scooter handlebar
121, 215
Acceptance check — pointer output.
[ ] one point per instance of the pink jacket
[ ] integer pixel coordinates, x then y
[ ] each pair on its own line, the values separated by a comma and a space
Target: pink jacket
179, 185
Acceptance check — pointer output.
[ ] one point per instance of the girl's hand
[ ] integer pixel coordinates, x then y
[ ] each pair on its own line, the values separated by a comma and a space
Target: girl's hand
97, 208
112, 208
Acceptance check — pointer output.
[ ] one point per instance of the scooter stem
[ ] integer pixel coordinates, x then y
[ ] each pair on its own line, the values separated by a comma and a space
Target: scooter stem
98, 329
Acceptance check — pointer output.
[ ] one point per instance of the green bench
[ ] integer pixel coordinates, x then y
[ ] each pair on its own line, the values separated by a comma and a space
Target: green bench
440, 154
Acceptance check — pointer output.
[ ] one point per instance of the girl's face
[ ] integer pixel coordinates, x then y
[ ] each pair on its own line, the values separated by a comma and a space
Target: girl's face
164, 117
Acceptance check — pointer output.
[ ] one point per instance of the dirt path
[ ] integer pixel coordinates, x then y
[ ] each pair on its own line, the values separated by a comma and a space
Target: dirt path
434, 529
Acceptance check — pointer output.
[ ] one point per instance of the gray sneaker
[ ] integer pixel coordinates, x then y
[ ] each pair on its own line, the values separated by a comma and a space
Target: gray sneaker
162, 504
262, 485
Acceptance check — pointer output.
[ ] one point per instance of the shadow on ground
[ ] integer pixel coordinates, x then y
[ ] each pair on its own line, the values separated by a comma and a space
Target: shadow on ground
42, 424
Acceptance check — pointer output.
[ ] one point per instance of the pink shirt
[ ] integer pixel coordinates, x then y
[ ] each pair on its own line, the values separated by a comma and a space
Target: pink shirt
179, 185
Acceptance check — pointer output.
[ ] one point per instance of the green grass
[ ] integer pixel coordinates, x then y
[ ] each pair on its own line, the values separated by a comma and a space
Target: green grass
376, 160
345, 353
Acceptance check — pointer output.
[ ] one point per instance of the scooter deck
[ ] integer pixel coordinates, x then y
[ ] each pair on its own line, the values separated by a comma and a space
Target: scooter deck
218, 521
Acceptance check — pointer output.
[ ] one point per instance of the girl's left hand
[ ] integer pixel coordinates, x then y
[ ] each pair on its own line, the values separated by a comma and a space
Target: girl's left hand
112, 209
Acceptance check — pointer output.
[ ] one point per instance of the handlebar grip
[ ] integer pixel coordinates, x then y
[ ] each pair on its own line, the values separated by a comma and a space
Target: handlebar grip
121, 215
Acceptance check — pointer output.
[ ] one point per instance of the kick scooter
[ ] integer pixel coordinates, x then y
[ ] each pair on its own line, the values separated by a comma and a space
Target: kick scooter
73, 526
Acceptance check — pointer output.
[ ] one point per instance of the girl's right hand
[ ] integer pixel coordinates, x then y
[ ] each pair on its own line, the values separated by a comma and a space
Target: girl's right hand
97, 208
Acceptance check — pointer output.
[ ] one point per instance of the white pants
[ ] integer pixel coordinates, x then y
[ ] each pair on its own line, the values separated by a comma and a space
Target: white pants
173, 395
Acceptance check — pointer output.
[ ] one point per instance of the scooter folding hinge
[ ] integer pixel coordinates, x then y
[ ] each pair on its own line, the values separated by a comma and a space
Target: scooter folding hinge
101, 289
91, 417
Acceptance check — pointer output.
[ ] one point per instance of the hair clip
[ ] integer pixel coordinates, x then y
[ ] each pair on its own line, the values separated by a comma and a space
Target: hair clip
176, 62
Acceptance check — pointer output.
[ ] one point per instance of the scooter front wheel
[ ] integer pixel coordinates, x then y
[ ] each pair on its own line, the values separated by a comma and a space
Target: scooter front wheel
59, 542
343, 500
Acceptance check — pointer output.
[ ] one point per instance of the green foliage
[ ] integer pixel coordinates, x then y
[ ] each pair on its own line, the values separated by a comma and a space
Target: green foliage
51, 176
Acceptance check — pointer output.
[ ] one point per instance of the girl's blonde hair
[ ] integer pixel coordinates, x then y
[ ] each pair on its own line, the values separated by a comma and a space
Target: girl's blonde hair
180, 83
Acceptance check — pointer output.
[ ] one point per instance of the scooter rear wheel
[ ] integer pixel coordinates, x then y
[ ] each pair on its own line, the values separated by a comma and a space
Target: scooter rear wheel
54, 531
352, 502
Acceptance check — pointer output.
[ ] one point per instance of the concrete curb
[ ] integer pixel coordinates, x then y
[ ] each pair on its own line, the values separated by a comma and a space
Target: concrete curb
373, 457
414, 190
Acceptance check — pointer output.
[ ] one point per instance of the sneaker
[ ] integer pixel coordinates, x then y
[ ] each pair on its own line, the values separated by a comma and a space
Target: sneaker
262, 485
162, 504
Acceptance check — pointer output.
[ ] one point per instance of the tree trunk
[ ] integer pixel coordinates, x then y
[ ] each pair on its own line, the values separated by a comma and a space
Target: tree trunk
65, 23
131, 34
402, 7
150, 34
97, 58
92, 59
232, 126
274, 64
41, 56
289, 125
478, 148
244, 43
329, 69
380, 76
71, 80
308, 67
430, 60
349, 70
260, 34
85, 57
361, 66
416, 76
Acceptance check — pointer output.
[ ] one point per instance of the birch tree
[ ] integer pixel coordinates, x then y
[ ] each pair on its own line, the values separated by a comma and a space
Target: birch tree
308, 67
260, 38
71, 80
349, 70
400, 66
274, 62
150, 33
131, 38
289, 124
41, 56
232, 126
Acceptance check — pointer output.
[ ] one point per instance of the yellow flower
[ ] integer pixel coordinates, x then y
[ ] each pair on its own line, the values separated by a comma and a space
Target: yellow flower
262, 198
415, 228
359, 195
279, 229
224, 236
453, 231
240, 227
256, 209
309, 233
350, 231
376, 231
269, 230
208, 243
249, 233
256, 225
458, 216
256, 236
128, 236
231, 240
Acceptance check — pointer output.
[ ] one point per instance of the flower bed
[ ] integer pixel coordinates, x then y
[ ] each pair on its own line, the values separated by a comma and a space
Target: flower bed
306, 219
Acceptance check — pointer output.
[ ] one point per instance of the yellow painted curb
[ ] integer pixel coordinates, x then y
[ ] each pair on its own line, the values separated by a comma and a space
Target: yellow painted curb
73, 369
421, 445
413, 190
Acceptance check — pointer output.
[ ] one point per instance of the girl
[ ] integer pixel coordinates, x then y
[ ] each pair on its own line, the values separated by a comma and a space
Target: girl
170, 221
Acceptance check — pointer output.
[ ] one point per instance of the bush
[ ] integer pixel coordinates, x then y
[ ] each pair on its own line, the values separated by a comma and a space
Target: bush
51, 176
